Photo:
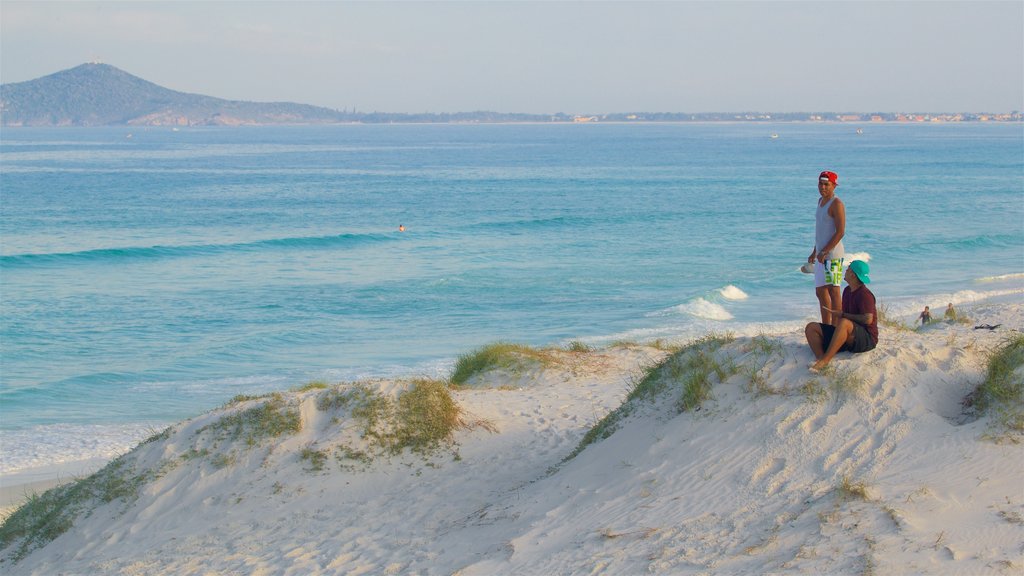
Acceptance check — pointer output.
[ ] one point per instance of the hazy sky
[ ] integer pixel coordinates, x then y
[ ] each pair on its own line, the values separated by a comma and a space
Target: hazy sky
544, 57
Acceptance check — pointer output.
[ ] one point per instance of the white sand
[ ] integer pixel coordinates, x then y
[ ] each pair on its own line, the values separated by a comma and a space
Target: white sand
749, 484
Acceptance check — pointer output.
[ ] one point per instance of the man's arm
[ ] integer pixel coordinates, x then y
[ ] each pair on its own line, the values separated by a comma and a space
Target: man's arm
863, 319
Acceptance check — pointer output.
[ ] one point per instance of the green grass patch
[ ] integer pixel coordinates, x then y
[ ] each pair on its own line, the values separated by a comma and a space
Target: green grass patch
1002, 391
270, 419
44, 517
423, 418
579, 347
240, 398
693, 368
314, 385
765, 346
500, 355
688, 370
315, 459
427, 416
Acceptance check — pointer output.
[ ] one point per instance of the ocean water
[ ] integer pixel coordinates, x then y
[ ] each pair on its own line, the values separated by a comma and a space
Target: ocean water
149, 275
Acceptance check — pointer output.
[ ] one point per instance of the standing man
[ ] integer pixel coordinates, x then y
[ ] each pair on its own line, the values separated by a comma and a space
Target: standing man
827, 254
856, 324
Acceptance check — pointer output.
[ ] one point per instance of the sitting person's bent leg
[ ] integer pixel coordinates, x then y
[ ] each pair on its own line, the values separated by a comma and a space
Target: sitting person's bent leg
843, 334
814, 332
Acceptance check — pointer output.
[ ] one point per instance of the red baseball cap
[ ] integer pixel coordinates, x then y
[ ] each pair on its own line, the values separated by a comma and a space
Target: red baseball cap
830, 176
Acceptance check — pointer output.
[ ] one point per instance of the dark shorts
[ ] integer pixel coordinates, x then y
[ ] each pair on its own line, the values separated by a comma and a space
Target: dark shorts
862, 341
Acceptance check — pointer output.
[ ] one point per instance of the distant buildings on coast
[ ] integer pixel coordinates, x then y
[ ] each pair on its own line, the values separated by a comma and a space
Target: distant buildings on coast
876, 117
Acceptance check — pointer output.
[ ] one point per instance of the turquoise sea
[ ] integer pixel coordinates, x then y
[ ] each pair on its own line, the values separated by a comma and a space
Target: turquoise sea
149, 275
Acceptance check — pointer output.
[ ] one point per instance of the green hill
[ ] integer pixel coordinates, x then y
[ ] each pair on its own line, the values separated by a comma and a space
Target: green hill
100, 95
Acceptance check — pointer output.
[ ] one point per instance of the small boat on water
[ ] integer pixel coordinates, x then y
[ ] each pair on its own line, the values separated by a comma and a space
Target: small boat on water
860, 130
774, 136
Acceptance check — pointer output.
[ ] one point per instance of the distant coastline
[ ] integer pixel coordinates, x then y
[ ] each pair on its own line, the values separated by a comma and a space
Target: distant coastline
101, 95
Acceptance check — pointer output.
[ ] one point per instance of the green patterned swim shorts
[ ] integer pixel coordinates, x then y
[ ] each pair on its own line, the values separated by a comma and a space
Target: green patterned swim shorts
828, 274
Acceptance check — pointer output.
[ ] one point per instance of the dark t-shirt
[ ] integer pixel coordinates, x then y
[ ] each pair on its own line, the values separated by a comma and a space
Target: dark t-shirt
862, 301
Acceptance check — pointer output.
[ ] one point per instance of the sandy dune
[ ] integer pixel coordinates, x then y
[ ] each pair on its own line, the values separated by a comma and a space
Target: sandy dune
872, 469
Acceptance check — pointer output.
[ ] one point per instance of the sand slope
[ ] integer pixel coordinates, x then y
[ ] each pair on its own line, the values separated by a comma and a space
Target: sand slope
871, 470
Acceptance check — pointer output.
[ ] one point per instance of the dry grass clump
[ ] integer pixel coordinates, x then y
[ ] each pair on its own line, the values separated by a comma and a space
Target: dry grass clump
849, 489
422, 418
1002, 391
659, 344
887, 320
500, 355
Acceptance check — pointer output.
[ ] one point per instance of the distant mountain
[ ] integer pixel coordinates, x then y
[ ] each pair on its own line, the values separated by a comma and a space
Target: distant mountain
101, 95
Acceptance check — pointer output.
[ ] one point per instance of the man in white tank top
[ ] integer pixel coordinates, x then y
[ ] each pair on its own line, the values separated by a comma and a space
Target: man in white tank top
827, 254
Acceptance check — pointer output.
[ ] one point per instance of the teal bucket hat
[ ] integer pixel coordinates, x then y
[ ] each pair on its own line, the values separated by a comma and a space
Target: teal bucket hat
861, 269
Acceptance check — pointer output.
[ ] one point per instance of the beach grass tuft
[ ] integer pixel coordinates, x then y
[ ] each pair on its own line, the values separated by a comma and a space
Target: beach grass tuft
850, 489
579, 347
813, 390
314, 385
694, 366
315, 459
845, 380
427, 415
270, 419
888, 320
424, 417
763, 348
499, 355
689, 369
1002, 391
659, 344
44, 517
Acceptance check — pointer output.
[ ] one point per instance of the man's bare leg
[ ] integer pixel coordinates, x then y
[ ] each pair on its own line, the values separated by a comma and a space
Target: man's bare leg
842, 335
824, 294
815, 339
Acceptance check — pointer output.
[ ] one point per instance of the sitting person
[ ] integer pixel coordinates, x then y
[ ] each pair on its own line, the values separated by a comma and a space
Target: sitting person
925, 316
857, 328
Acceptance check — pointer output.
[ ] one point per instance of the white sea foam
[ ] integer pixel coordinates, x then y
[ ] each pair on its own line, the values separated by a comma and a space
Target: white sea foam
702, 308
731, 292
851, 256
1002, 277
912, 306
67, 443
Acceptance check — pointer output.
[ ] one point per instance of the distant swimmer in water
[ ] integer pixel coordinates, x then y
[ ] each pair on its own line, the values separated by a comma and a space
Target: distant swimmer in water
401, 228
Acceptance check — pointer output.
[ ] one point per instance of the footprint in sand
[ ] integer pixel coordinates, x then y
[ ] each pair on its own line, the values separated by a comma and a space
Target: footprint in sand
767, 469
812, 425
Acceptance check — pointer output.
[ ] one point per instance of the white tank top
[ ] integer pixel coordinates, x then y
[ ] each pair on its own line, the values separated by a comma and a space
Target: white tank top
824, 229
